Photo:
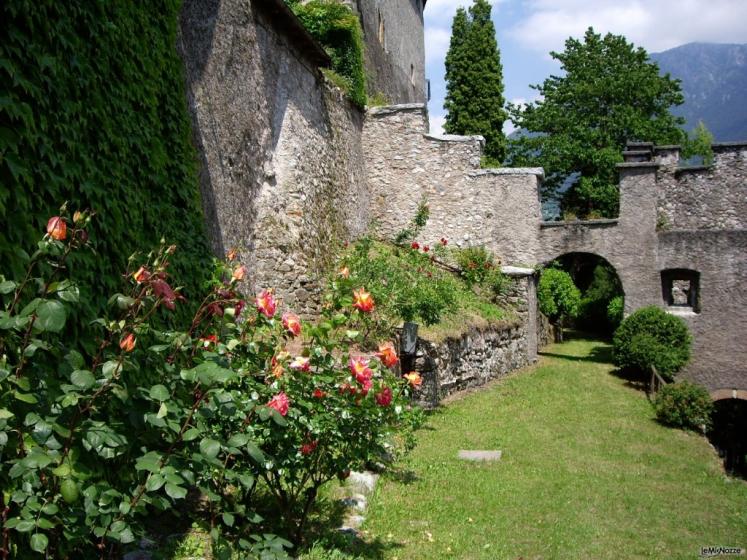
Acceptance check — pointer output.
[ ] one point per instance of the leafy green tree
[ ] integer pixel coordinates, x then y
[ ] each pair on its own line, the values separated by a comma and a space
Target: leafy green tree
608, 94
474, 80
558, 297
698, 143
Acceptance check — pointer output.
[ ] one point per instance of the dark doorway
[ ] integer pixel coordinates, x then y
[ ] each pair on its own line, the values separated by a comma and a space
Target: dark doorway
729, 434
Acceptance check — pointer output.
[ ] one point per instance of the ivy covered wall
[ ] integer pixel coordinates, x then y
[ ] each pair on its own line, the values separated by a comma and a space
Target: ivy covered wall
93, 111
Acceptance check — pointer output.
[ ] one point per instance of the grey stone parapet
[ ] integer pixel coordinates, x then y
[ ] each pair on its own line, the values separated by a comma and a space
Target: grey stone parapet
729, 146
538, 171
636, 155
586, 223
286, 22
638, 164
388, 110
692, 169
454, 138
517, 271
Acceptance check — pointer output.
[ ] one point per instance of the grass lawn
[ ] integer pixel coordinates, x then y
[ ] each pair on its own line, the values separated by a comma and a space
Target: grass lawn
586, 472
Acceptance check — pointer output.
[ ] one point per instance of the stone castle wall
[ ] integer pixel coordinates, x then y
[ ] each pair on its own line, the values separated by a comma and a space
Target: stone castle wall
282, 171
719, 328
468, 205
395, 48
289, 167
482, 355
706, 198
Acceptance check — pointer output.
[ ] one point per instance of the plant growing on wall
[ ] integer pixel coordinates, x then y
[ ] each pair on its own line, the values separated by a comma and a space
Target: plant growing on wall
337, 28
474, 80
94, 112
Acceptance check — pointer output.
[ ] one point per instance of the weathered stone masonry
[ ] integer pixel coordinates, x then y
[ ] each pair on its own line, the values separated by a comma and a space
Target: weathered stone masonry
282, 172
673, 223
289, 166
468, 205
481, 355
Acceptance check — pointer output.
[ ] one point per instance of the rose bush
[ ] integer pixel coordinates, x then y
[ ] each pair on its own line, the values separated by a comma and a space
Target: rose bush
241, 402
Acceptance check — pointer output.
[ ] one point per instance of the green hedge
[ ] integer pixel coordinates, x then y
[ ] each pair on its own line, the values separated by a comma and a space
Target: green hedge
93, 111
652, 337
684, 405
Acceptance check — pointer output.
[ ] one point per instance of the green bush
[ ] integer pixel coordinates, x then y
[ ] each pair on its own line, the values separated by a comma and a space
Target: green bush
403, 280
652, 337
337, 28
558, 296
684, 405
94, 112
249, 408
615, 310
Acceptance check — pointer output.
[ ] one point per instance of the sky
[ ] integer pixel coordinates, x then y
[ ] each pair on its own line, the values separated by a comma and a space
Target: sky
527, 30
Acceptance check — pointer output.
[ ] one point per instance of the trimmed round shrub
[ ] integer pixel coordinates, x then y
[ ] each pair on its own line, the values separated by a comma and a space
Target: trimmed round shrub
652, 337
615, 309
684, 405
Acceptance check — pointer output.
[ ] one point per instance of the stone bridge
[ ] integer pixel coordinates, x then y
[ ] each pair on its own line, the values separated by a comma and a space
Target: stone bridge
678, 228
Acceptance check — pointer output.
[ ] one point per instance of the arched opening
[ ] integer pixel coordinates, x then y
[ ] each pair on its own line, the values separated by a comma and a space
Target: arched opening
728, 432
601, 292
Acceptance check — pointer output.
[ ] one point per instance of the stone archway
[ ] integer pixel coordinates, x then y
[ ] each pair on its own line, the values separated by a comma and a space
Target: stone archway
599, 282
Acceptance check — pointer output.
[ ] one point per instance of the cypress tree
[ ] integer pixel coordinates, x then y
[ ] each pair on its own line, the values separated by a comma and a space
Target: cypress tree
474, 80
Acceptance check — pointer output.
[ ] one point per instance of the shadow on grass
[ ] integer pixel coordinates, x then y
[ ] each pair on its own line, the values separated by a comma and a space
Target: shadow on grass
573, 334
324, 539
401, 475
633, 378
598, 355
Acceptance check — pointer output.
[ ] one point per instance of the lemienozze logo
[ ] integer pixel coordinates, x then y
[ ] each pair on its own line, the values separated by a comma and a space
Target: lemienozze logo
710, 551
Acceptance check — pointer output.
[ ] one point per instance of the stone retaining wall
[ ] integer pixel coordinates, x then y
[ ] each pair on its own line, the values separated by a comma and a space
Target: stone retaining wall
482, 354
473, 359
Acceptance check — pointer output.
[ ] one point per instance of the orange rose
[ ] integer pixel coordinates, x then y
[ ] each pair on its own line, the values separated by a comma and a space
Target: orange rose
387, 354
363, 301
127, 343
292, 323
265, 303
414, 379
57, 228
359, 368
141, 275
232, 254
239, 273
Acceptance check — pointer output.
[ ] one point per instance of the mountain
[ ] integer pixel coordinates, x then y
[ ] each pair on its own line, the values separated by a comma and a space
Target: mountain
714, 82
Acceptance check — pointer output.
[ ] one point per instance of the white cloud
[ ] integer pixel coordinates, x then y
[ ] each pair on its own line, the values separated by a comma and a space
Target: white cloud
444, 10
436, 44
439, 15
437, 124
656, 25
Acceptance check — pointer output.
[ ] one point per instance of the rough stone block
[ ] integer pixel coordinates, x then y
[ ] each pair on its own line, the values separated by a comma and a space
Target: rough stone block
480, 455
